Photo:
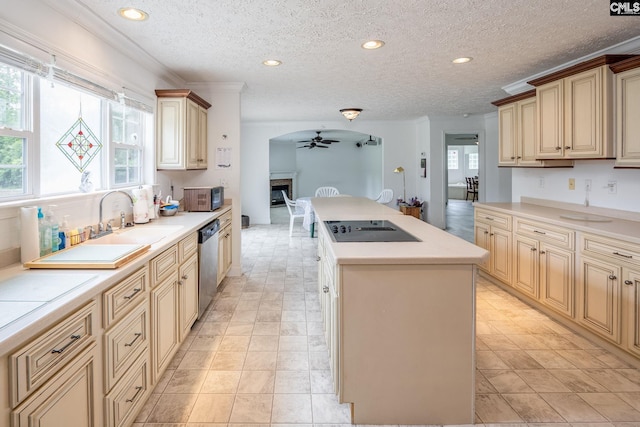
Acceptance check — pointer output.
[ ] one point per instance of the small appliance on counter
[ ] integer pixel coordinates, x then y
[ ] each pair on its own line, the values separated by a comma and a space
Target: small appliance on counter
203, 199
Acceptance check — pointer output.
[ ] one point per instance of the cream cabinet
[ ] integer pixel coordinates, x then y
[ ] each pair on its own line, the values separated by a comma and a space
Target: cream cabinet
493, 232
181, 130
575, 111
543, 264
517, 130
631, 303
225, 245
188, 287
627, 112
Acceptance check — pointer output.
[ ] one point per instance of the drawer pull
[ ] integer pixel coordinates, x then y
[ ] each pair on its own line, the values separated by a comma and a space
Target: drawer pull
325, 289
73, 339
539, 232
135, 291
138, 390
628, 282
138, 335
612, 277
623, 255
489, 218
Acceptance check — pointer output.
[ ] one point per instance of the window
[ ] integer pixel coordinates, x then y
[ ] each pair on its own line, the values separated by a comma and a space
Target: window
452, 159
473, 161
39, 104
15, 131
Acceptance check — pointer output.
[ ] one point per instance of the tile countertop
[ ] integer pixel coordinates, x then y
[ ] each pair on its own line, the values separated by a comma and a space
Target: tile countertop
48, 306
621, 225
436, 248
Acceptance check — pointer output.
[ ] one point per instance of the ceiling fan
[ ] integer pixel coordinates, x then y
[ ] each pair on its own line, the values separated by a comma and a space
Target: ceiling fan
319, 140
313, 145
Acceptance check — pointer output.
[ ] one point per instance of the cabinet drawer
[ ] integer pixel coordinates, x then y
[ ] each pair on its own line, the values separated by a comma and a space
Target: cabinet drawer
32, 365
225, 218
121, 298
164, 265
187, 246
611, 249
123, 403
555, 235
496, 219
124, 342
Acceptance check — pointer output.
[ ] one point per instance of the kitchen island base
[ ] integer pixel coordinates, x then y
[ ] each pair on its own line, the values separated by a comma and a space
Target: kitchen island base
407, 343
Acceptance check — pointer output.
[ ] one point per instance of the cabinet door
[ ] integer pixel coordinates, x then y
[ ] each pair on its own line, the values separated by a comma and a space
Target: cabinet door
527, 131
556, 279
188, 294
525, 266
67, 399
192, 135
501, 254
482, 239
334, 338
599, 301
550, 100
224, 252
170, 133
202, 139
583, 114
632, 307
165, 334
628, 118
507, 135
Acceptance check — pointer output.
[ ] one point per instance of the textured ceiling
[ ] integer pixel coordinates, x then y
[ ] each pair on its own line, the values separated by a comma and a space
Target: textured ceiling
325, 69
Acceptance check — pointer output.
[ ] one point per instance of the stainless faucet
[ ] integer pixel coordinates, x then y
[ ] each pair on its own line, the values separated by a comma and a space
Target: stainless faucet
100, 225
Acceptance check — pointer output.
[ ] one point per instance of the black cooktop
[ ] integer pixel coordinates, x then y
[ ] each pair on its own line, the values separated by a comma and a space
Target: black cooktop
368, 231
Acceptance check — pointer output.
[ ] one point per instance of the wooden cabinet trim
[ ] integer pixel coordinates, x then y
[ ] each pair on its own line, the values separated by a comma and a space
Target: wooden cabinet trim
578, 68
627, 64
515, 98
183, 93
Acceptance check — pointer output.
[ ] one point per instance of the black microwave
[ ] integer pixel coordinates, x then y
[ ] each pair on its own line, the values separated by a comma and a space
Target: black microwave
203, 199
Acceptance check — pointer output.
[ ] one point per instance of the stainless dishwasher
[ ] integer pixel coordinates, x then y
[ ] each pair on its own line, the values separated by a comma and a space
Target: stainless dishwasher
207, 264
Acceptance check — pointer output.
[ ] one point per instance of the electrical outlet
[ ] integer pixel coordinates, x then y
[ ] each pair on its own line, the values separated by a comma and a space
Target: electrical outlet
612, 187
587, 185
572, 183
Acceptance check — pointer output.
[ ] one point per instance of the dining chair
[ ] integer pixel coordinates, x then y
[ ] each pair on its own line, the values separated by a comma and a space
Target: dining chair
291, 206
327, 192
385, 196
472, 188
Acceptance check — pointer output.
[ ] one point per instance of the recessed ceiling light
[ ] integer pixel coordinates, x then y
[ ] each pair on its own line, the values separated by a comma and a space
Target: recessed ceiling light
373, 44
133, 14
271, 62
462, 60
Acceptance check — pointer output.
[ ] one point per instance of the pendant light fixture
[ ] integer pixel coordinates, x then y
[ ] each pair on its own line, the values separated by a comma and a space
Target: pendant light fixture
351, 113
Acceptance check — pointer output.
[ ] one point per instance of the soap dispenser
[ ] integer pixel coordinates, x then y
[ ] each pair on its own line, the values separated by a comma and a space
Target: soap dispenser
44, 230
53, 223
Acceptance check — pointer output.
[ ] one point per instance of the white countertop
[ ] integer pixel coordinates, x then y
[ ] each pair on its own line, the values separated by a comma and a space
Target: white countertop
31, 300
605, 222
437, 247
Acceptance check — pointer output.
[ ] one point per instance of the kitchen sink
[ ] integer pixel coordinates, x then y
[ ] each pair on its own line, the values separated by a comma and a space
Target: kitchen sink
142, 234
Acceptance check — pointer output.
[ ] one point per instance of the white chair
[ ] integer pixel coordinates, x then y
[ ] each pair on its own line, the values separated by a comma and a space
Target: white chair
327, 192
385, 196
291, 205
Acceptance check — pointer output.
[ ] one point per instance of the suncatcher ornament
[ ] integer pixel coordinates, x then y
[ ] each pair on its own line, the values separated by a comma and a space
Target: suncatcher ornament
79, 144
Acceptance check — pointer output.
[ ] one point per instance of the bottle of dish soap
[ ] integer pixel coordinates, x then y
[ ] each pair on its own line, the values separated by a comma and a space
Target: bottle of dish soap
44, 230
64, 233
53, 223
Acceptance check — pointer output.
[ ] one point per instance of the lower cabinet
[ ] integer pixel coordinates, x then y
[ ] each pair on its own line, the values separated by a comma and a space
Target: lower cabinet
123, 403
631, 298
330, 307
224, 252
188, 294
498, 242
165, 333
557, 281
67, 399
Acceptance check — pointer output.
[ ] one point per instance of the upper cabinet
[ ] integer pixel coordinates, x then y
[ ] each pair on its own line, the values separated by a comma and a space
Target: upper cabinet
627, 82
575, 111
181, 130
517, 130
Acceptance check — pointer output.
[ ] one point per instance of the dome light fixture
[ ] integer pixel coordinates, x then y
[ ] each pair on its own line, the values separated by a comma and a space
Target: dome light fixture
372, 44
462, 60
351, 113
272, 62
133, 14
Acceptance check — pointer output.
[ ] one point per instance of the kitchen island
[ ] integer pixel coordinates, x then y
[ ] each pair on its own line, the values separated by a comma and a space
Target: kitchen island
399, 318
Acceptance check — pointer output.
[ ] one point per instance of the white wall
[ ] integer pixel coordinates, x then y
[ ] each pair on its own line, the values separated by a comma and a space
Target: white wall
527, 182
398, 149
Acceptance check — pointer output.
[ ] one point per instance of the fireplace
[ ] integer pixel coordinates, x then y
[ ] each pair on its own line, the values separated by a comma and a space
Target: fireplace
277, 185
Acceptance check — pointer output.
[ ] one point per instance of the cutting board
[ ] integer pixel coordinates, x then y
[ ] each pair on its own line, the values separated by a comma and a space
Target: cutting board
90, 256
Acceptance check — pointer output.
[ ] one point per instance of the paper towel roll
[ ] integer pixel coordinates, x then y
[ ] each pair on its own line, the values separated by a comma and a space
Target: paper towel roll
149, 190
140, 206
29, 236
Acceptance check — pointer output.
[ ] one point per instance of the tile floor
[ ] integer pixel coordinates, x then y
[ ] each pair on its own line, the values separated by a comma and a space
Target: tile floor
258, 356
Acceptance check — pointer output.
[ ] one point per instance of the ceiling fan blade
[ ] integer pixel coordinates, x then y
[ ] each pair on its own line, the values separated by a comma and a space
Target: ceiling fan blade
328, 141
307, 140
321, 146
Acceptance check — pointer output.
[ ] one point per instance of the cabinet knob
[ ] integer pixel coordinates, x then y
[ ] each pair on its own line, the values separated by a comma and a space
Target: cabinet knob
612, 277
567, 148
486, 232
513, 158
543, 252
558, 148
325, 289
519, 157
491, 234
533, 249
628, 282
185, 277
318, 258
